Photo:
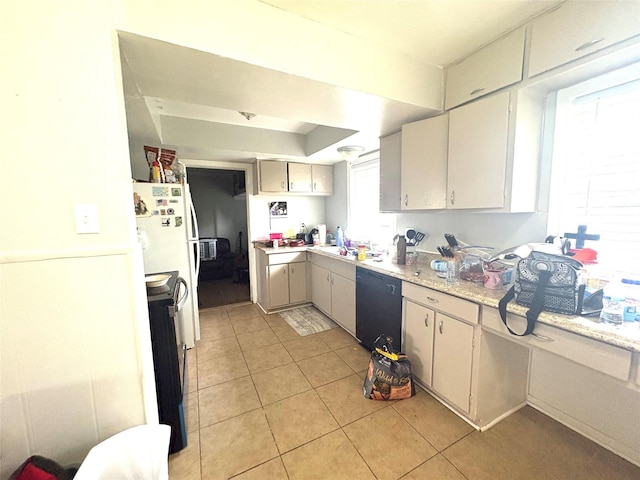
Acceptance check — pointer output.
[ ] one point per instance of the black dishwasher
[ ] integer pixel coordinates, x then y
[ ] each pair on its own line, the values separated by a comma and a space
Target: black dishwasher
378, 307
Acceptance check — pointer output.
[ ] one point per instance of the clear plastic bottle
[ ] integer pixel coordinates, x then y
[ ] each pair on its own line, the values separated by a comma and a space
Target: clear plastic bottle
339, 237
632, 300
613, 301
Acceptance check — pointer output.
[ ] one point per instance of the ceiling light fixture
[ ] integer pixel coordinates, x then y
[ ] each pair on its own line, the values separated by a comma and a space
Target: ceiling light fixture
247, 115
350, 152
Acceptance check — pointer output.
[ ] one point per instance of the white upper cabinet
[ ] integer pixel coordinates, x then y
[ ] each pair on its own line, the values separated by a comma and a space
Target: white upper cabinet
273, 176
390, 160
494, 149
577, 29
487, 70
294, 177
424, 164
299, 177
478, 153
322, 179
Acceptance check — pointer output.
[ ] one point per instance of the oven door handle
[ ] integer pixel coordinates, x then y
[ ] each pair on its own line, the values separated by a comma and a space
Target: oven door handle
178, 304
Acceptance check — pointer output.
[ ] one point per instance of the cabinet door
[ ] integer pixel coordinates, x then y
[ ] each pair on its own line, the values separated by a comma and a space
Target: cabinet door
390, 160
322, 179
273, 176
489, 69
343, 302
278, 285
424, 164
577, 29
297, 282
321, 288
478, 135
452, 360
299, 177
418, 340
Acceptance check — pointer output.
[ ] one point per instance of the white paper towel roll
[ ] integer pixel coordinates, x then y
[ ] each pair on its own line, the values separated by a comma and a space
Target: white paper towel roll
322, 229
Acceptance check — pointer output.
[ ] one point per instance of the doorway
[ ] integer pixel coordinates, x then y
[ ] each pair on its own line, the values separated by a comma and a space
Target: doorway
219, 199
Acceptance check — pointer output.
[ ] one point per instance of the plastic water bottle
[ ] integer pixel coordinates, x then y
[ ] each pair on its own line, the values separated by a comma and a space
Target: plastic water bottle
613, 302
632, 300
339, 237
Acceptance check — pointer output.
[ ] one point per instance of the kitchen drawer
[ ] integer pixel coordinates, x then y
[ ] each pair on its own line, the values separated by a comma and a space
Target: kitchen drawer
454, 306
608, 359
344, 268
286, 257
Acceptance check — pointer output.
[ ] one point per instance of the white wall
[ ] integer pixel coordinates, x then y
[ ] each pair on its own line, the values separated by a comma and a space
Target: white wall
73, 341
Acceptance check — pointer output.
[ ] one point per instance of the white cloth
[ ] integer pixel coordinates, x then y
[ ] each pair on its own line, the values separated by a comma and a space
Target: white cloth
138, 453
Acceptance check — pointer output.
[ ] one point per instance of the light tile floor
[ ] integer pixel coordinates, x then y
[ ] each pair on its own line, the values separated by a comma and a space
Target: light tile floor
265, 403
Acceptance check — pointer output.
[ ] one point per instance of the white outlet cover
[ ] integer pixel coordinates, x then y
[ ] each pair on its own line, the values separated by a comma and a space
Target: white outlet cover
87, 220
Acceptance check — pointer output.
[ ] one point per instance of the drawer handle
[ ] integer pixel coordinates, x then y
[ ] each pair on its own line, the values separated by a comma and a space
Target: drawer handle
543, 338
588, 44
433, 300
426, 320
441, 326
477, 90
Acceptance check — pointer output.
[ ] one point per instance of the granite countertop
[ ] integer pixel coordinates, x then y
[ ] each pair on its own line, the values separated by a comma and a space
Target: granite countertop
625, 336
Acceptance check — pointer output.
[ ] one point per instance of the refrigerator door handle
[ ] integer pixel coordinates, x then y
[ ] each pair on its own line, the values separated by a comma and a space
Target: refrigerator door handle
193, 232
179, 303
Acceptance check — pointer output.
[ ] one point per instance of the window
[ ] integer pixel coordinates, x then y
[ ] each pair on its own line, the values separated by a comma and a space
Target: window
596, 167
366, 223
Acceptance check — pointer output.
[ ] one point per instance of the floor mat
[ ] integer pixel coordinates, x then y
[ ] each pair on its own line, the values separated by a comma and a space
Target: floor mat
308, 320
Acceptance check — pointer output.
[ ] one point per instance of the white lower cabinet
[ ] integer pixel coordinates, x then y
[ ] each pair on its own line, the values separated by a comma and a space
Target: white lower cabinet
452, 360
333, 290
418, 339
482, 377
282, 279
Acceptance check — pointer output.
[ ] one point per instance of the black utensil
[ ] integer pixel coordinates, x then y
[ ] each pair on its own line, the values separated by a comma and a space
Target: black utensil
451, 240
419, 237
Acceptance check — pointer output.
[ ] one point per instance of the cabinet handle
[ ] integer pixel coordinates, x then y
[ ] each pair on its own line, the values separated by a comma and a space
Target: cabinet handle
453, 197
284, 269
328, 278
392, 289
542, 337
282, 185
477, 90
314, 185
441, 326
406, 199
433, 300
426, 319
588, 44
291, 186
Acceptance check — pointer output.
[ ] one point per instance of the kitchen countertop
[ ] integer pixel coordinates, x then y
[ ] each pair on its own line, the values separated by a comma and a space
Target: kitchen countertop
625, 336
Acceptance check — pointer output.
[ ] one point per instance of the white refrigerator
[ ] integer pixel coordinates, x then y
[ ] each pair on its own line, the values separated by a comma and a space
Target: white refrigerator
168, 232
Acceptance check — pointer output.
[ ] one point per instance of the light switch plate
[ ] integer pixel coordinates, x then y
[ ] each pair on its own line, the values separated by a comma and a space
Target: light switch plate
87, 220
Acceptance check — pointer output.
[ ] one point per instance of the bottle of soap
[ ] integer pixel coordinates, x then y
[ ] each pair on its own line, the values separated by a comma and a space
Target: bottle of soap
339, 237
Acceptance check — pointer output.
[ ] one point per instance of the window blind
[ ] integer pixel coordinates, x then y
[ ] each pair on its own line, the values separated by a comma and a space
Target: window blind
366, 223
601, 187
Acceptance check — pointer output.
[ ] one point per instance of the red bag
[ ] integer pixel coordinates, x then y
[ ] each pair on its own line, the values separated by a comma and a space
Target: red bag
41, 468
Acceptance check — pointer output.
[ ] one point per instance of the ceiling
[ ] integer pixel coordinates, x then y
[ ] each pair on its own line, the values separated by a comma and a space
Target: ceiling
190, 100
